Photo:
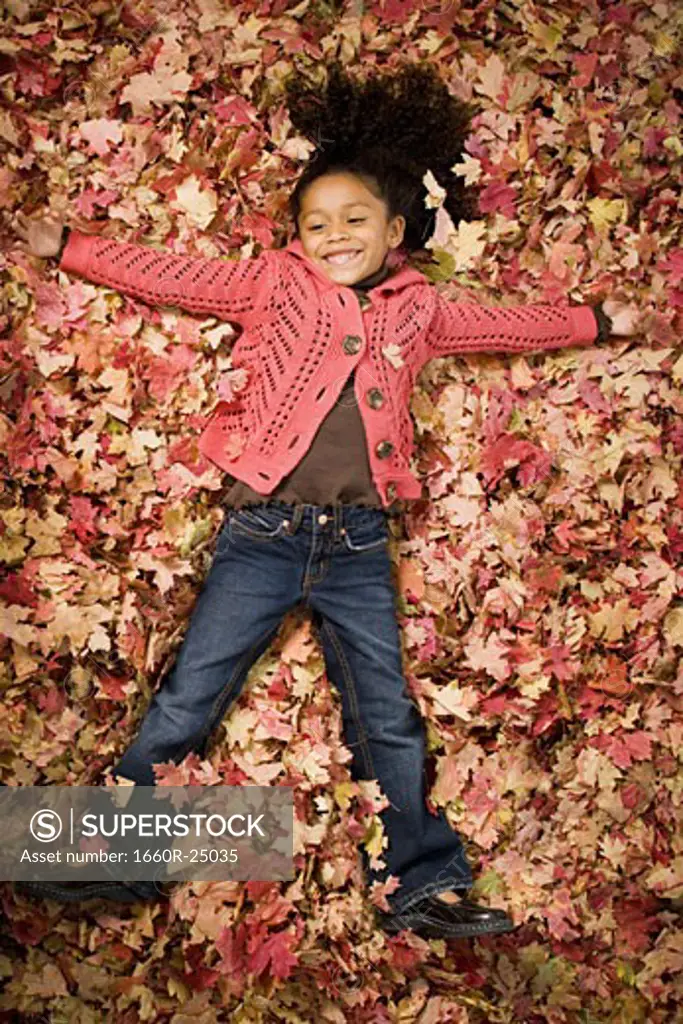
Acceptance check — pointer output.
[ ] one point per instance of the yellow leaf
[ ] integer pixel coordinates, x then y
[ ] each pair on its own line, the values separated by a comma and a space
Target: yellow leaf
469, 243
673, 626
343, 792
463, 245
673, 143
12, 548
664, 44
605, 213
660, 481
13, 628
491, 77
436, 194
239, 727
200, 204
46, 532
547, 36
50, 362
375, 839
524, 88
470, 169
454, 700
612, 621
176, 987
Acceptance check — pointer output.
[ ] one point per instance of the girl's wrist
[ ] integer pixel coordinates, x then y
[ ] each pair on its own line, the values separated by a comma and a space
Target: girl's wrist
604, 322
65, 239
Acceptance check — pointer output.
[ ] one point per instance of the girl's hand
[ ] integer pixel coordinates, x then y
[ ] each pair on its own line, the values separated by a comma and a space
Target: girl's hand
625, 317
43, 237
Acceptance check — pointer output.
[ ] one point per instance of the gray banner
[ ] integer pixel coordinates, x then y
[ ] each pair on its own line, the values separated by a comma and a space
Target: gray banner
151, 833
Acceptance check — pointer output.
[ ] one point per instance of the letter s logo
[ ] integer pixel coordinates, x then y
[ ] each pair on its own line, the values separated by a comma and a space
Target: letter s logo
46, 826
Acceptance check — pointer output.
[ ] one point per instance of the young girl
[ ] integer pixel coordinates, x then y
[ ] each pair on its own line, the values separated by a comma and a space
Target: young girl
318, 445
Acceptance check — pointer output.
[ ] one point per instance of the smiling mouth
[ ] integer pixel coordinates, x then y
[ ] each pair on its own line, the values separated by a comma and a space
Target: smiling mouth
341, 259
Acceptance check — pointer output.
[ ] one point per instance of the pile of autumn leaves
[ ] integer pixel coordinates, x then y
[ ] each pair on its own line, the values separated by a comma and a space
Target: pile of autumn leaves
539, 594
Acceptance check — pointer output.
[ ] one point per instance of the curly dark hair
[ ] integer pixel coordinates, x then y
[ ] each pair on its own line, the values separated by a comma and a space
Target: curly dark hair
388, 130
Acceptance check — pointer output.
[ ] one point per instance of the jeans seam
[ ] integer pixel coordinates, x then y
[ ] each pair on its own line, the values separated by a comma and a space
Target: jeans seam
353, 698
374, 545
217, 710
263, 538
311, 578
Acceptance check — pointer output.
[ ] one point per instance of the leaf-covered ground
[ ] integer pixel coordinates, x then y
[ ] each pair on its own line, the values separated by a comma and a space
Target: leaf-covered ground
540, 587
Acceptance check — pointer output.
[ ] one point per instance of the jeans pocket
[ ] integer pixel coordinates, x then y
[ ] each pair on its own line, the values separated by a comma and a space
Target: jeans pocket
257, 524
366, 537
224, 538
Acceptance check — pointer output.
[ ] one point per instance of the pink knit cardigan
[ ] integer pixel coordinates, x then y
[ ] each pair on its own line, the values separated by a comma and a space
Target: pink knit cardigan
303, 334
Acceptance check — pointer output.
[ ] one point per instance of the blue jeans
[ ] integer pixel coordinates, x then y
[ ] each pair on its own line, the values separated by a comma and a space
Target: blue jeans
268, 559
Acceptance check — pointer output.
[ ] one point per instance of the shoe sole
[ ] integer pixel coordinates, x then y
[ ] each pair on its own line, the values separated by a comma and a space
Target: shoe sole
52, 891
434, 931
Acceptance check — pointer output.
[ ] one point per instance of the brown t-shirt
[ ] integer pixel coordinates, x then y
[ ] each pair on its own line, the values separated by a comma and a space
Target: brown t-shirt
335, 470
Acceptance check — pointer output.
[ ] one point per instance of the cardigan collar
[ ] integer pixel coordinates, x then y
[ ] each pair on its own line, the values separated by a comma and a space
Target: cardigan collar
372, 280
400, 278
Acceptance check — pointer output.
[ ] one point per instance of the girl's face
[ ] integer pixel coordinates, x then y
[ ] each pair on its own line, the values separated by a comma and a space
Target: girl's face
339, 215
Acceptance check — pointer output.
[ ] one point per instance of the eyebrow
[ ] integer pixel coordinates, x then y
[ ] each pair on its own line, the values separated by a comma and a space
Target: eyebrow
344, 207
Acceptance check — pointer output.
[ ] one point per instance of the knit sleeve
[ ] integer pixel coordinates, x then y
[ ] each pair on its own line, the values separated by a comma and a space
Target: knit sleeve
459, 328
234, 290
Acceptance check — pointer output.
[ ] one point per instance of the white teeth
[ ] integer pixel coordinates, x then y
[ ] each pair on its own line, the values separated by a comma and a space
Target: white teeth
340, 258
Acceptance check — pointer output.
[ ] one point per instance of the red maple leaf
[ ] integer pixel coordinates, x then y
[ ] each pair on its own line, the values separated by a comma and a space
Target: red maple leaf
235, 110
231, 944
393, 10
636, 919
112, 686
82, 519
52, 701
498, 197
508, 451
404, 956
16, 590
276, 952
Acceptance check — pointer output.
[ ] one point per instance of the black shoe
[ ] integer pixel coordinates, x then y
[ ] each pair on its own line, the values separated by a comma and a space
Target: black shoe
434, 919
77, 892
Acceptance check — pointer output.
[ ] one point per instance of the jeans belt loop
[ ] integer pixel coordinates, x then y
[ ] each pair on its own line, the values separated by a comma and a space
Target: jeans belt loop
296, 519
338, 521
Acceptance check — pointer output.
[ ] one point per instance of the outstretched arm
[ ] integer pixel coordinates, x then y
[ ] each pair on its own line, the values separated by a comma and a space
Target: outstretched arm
234, 290
459, 328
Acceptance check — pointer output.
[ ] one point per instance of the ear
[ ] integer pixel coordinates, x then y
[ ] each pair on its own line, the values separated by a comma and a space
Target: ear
396, 231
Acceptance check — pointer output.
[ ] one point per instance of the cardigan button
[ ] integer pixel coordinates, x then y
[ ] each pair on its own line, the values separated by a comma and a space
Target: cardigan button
352, 344
383, 449
364, 300
391, 491
375, 398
